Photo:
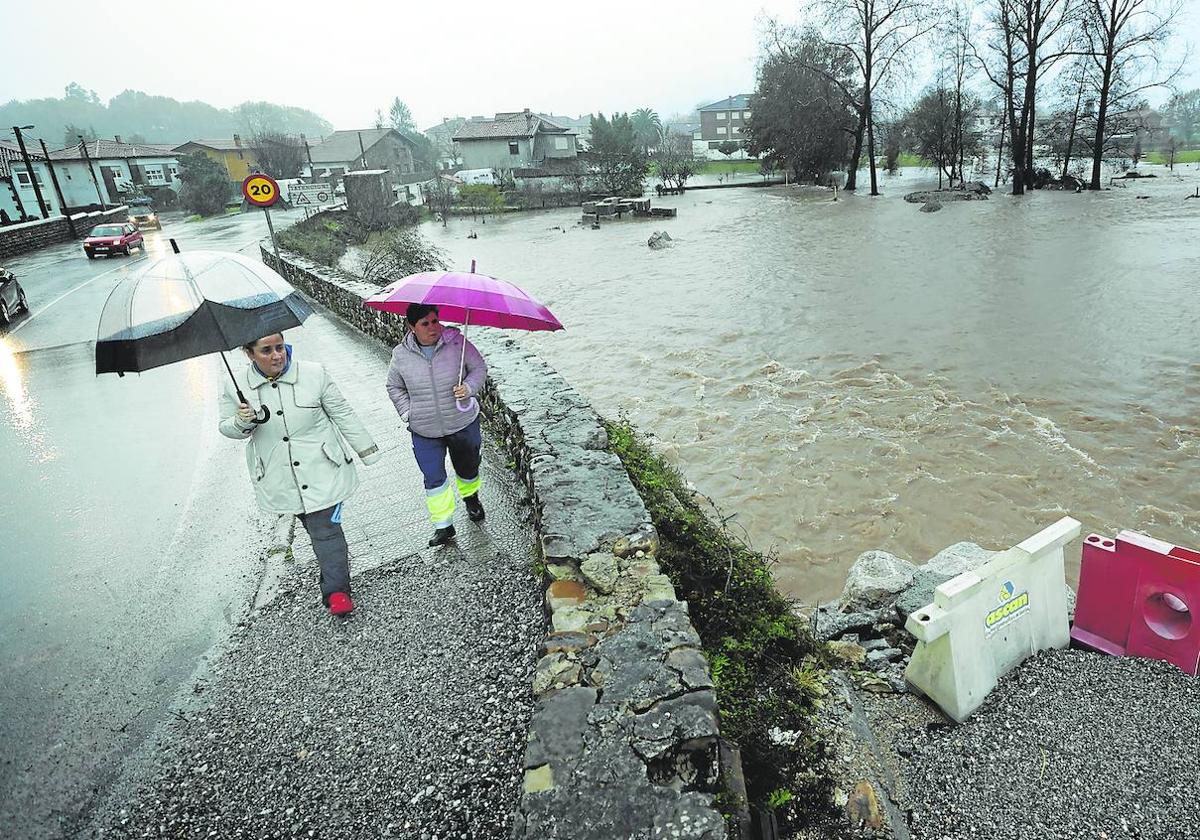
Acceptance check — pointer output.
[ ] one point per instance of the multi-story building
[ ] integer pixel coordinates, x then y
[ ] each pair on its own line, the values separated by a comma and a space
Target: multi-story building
513, 140
234, 154
723, 122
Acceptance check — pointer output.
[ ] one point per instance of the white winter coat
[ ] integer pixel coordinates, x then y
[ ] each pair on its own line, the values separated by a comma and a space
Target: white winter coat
300, 461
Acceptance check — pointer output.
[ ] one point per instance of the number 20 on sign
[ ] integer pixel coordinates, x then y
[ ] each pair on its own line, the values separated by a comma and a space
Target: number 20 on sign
260, 190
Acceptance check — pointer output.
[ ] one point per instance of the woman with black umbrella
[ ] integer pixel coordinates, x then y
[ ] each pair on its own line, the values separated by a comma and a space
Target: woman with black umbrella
301, 436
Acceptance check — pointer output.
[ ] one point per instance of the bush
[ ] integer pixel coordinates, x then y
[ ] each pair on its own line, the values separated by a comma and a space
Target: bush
205, 184
768, 671
400, 253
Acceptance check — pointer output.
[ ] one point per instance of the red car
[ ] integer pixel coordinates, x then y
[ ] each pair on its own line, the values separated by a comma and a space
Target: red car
112, 239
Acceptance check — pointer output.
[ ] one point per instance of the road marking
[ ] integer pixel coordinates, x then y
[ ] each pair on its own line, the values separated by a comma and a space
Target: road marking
33, 315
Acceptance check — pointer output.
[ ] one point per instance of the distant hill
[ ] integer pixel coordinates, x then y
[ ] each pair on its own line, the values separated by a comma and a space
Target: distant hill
140, 117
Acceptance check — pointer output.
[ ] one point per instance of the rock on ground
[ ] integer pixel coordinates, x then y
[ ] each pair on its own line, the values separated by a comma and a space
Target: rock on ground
874, 581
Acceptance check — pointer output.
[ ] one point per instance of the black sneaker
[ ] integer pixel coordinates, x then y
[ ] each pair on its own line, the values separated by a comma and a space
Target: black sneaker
442, 536
474, 507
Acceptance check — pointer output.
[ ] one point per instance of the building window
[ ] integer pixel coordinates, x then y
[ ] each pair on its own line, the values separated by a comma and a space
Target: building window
154, 174
720, 116
562, 143
745, 115
514, 149
23, 179
721, 129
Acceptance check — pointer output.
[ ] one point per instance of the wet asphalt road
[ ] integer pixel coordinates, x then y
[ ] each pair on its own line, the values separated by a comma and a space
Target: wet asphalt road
115, 579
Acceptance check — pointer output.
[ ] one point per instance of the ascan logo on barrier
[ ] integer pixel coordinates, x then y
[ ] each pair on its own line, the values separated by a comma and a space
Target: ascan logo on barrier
1011, 607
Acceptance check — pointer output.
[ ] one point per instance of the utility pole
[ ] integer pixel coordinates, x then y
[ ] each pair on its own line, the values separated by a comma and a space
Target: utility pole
91, 171
62, 203
29, 168
362, 150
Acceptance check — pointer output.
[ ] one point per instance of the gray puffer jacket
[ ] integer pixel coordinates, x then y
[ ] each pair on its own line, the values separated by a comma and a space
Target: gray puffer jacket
423, 389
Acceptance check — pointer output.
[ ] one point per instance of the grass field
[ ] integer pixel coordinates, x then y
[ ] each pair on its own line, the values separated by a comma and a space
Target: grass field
724, 167
1189, 156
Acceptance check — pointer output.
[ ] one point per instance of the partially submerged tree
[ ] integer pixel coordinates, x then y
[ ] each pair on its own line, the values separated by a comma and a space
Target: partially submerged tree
803, 116
875, 35
1124, 39
675, 160
279, 155
206, 187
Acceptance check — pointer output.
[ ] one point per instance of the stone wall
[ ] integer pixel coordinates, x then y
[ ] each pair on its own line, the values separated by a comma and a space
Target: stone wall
624, 737
29, 236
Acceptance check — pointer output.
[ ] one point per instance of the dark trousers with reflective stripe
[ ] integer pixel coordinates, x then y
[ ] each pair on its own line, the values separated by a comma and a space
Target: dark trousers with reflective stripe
329, 544
464, 447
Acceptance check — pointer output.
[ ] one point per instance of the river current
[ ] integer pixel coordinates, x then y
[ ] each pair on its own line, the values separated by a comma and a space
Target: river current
854, 374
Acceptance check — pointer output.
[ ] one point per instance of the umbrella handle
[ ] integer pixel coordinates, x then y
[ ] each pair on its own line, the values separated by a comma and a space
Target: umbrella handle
264, 416
470, 404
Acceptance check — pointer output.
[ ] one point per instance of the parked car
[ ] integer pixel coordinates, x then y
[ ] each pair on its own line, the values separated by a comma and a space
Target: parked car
112, 239
12, 297
144, 217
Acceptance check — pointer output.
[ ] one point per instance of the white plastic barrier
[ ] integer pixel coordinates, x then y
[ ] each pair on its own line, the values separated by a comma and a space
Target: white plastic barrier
984, 623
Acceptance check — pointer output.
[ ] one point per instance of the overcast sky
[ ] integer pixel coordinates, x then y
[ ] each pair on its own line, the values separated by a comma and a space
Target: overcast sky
345, 58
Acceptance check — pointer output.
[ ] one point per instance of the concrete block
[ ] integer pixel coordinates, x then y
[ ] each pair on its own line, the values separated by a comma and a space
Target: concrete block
982, 624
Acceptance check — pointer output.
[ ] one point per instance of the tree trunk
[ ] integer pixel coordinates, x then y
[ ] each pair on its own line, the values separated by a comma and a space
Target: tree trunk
852, 169
1071, 134
1102, 116
1000, 152
870, 119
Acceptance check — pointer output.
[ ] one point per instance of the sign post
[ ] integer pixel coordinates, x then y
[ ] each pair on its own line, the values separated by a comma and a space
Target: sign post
261, 190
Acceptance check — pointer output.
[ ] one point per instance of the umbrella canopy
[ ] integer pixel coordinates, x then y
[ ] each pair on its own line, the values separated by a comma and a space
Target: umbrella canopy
191, 304
466, 297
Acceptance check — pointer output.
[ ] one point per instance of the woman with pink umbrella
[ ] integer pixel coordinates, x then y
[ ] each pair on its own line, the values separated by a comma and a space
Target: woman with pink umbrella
436, 374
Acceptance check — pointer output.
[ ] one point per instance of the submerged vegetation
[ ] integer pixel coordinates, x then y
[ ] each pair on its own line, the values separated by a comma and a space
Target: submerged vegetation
768, 670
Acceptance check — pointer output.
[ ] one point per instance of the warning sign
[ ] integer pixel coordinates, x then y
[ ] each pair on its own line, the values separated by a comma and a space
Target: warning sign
310, 195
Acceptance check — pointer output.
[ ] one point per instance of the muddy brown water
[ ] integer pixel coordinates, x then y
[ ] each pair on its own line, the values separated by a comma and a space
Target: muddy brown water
850, 375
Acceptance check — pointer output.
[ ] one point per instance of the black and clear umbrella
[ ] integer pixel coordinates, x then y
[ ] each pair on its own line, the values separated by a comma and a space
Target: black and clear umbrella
186, 305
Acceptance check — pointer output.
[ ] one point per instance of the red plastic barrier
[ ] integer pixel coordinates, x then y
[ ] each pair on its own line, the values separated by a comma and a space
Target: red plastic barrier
1139, 596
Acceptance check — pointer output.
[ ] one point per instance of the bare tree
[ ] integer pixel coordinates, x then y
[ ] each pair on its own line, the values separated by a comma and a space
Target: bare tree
675, 160
1124, 39
875, 34
1024, 39
279, 155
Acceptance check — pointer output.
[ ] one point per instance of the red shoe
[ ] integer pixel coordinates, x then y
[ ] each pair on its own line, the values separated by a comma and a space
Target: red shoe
340, 604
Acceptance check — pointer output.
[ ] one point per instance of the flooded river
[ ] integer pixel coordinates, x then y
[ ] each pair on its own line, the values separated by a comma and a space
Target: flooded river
855, 374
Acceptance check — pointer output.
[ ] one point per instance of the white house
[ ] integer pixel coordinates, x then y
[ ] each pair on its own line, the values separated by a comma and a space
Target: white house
114, 168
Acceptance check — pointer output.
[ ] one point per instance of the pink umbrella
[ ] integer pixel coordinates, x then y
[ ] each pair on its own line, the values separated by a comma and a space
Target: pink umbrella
467, 298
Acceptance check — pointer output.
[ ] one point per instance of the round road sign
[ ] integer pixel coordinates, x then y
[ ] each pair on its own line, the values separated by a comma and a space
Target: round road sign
260, 190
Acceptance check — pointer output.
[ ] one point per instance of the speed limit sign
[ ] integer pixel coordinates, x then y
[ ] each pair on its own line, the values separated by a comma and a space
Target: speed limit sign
260, 190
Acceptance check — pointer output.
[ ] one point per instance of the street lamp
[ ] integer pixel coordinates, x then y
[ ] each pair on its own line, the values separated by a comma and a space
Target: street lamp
37, 190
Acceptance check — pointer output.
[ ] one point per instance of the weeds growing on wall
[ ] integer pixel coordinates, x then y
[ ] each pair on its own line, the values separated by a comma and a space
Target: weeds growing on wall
768, 671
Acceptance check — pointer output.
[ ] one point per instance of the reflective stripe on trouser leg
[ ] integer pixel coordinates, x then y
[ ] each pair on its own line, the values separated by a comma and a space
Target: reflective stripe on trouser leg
440, 501
469, 486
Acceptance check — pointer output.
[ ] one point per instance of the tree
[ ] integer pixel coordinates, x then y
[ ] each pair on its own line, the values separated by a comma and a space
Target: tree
727, 147
647, 128
205, 184
399, 117
74, 90
619, 163
1124, 39
72, 133
439, 197
279, 155
874, 34
803, 114
1182, 114
1023, 40
675, 160
936, 129
400, 253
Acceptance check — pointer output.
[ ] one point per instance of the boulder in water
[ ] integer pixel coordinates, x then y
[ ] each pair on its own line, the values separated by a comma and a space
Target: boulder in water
659, 239
931, 206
